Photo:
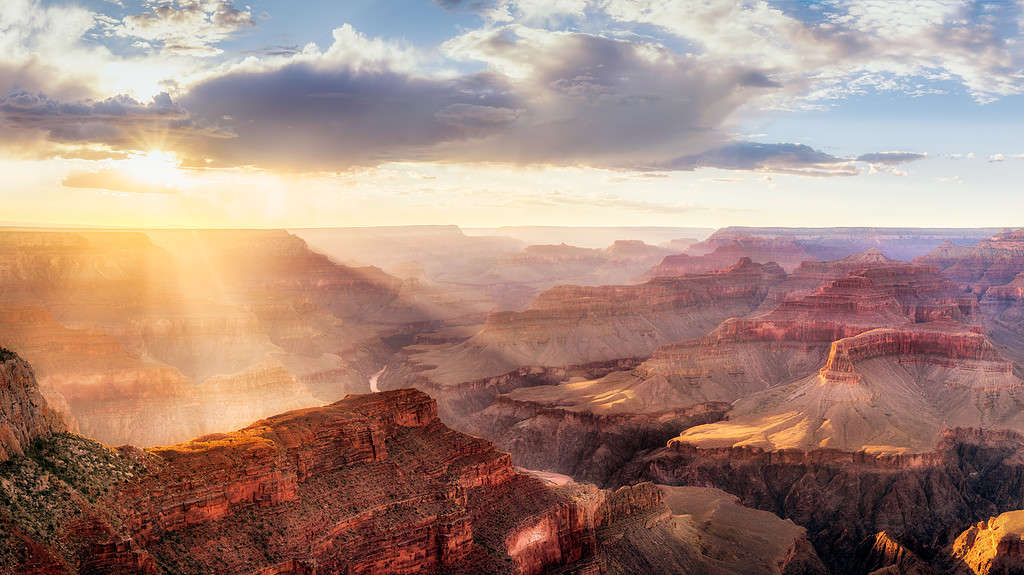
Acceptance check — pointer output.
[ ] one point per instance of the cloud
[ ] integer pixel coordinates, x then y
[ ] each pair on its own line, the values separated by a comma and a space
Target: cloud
542, 97
783, 158
1003, 157
191, 27
790, 158
522, 11
94, 129
854, 46
891, 158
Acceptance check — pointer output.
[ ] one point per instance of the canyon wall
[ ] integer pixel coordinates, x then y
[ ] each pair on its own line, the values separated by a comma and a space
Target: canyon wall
24, 414
922, 501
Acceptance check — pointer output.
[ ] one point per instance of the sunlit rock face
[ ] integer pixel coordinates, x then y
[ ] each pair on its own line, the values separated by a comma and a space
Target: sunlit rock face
156, 337
922, 502
991, 547
589, 427
990, 271
372, 484
24, 414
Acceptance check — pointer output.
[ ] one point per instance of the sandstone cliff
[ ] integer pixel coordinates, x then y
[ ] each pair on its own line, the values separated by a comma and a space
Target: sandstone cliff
994, 546
24, 415
885, 390
370, 484
589, 427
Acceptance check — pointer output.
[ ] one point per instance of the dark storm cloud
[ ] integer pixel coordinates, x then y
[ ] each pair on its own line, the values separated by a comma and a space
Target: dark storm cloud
548, 98
304, 117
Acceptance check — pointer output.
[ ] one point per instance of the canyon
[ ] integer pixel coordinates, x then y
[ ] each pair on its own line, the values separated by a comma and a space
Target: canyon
763, 400
373, 483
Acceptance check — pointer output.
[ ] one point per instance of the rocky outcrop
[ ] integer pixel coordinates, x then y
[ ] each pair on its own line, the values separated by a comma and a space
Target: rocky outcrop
922, 501
883, 555
370, 484
588, 444
991, 547
885, 390
24, 415
930, 343
646, 528
602, 422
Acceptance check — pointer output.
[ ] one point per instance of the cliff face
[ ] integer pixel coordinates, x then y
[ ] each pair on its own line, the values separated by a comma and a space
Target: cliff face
570, 325
588, 427
646, 528
24, 415
991, 262
885, 390
922, 501
991, 547
370, 484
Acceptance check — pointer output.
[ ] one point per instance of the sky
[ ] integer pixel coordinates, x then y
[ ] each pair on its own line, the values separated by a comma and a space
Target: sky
511, 112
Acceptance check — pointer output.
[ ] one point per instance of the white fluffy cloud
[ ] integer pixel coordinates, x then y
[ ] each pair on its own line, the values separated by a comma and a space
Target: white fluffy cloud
850, 45
191, 27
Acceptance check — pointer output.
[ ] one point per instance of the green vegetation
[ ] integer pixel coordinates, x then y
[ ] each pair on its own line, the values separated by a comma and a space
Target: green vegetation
44, 487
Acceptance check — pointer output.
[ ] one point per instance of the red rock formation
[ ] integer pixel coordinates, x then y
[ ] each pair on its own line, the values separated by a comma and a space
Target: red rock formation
722, 254
570, 325
883, 555
992, 262
24, 415
922, 501
992, 547
646, 528
943, 345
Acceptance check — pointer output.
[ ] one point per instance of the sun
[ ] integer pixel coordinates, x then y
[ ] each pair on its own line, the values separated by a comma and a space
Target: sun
157, 168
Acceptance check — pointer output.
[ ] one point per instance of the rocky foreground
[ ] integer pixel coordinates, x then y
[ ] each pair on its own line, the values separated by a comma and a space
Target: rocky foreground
371, 484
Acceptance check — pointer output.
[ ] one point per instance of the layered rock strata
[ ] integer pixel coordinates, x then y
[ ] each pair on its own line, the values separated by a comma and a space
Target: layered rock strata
570, 325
